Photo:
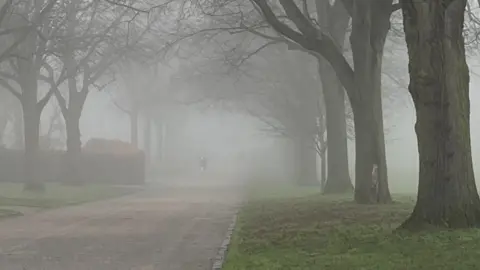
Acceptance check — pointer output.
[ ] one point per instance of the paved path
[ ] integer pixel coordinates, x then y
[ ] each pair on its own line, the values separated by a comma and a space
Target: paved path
175, 229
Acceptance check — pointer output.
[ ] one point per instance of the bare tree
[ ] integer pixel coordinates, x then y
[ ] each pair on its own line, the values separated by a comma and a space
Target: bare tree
288, 99
95, 36
13, 33
24, 69
294, 24
138, 87
240, 56
369, 19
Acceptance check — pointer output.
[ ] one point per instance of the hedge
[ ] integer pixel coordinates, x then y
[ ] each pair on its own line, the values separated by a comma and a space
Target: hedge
92, 167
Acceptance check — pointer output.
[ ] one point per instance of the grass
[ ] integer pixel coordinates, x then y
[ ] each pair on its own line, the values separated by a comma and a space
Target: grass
262, 191
14, 200
296, 229
6, 213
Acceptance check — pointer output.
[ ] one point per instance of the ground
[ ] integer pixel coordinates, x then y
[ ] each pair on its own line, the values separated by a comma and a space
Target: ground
305, 230
161, 229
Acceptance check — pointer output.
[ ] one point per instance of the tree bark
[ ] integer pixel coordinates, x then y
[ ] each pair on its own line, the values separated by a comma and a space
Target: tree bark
148, 138
147, 143
338, 180
74, 145
369, 150
370, 25
72, 110
159, 130
18, 128
335, 19
323, 167
439, 85
134, 127
3, 125
31, 120
29, 63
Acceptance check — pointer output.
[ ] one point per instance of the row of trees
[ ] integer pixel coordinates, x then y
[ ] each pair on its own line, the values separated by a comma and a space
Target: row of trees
249, 24
65, 49
71, 47
434, 35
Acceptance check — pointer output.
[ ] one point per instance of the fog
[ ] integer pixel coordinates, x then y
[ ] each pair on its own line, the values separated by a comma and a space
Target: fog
233, 142
237, 144
133, 132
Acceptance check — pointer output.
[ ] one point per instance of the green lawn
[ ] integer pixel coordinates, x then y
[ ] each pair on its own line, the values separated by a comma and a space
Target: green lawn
294, 231
14, 200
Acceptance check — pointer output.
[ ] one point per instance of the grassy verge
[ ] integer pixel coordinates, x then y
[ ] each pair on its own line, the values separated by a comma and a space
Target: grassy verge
14, 201
6, 213
310, 231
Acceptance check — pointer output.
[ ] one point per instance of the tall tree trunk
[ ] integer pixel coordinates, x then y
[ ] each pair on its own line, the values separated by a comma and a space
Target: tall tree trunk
18, 127
147, 143
439, 85
3, 125
74, 145
368, 152
159, 130
381, 26
134, 127
76, 99
31, 120
338, 180
335, 18
370, 25
163, 141
323, 167
148, 137
29, 63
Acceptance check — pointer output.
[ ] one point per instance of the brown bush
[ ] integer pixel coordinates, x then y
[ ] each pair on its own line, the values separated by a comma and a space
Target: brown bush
117, 147
112, 168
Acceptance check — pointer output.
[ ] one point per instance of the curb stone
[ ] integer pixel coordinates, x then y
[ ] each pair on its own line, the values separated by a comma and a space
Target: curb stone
222, 252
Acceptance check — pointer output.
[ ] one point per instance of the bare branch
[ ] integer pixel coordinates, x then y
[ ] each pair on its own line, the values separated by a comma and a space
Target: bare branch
319, 43
121, 108
10, 88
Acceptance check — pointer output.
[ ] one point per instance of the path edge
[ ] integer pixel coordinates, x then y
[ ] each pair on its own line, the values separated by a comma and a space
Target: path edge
223, 250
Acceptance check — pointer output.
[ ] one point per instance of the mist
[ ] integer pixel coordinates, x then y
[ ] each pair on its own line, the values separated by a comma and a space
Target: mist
150, 134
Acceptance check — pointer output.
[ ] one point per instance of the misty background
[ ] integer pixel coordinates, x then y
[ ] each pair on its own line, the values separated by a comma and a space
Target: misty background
190, 122
226, 135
